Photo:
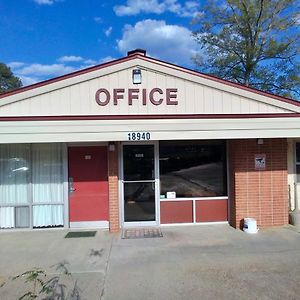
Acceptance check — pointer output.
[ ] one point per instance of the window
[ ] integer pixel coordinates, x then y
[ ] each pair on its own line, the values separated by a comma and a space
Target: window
31, 189
193, 168
14, 187
298, 161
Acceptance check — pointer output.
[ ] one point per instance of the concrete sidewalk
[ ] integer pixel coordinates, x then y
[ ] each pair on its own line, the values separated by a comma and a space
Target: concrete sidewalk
199, 262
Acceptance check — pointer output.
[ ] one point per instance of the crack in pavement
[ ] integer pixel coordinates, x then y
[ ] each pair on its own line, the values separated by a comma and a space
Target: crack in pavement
106, 269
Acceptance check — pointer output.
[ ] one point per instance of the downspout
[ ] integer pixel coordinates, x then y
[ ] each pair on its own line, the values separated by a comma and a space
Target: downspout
296, 198
295, 214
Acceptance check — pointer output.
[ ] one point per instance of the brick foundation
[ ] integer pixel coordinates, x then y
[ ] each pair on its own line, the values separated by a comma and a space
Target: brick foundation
113, 172
260, 194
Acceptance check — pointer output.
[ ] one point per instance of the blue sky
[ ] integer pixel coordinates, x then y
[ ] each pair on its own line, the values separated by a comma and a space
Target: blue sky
42, 39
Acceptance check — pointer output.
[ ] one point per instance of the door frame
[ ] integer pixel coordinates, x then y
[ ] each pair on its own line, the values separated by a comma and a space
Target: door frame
157, 186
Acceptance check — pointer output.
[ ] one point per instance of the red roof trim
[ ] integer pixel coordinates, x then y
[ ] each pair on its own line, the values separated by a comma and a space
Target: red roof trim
226, 82
156, 61
149, 117
70, 75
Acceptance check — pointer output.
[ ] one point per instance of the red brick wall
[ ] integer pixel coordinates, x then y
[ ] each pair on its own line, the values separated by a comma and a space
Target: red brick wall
113, 172
260, 194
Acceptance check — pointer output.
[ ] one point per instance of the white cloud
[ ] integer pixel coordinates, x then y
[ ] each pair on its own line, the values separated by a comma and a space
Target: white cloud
135, 7
70, 58
46, 2
108, 31
98, 20
32, 73
27, 80
45, 70
105, 59
167, 42
297, 19
42, 2
15, 64
90, 62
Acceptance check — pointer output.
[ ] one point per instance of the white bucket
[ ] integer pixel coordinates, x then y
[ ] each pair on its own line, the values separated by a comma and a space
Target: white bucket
250, 225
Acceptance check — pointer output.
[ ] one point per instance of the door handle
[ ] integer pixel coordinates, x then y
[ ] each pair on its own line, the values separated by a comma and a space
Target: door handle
71, 185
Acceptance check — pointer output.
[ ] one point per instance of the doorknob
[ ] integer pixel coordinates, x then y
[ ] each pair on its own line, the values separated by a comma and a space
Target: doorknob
71, 185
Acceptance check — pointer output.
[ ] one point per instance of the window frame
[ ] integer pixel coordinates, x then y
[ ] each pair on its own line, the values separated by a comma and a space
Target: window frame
30, 204
224, 145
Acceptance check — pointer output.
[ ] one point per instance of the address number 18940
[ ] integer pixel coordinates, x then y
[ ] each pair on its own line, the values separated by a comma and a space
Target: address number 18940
139, 136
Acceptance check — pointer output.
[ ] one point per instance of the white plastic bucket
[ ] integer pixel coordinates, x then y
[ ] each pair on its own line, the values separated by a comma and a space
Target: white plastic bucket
250, 225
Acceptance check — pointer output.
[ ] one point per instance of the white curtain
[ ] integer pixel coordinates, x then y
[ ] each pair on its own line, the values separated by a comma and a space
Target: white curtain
48, 215
7, 217
14, 173
42, 166
47, 184
47, 173
14, 180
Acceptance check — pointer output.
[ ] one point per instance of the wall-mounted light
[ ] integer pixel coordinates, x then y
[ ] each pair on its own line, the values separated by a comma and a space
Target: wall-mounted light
136, 76
111, 146
260, 141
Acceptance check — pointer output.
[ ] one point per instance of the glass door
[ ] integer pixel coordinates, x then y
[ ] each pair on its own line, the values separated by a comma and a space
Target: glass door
139, 183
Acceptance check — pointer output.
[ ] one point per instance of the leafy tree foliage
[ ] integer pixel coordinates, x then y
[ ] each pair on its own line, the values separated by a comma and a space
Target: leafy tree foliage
252, 42
7, 79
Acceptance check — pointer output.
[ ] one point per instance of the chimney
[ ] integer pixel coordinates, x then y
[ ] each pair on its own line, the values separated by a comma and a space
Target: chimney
136, 51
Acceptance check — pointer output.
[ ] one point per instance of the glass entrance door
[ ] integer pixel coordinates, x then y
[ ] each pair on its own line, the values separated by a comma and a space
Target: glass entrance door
139, 184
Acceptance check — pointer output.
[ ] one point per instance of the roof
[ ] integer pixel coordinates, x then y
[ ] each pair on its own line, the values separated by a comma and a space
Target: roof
140, 54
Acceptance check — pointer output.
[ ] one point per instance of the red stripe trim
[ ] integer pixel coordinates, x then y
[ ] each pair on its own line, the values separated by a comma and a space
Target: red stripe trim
148, 117
156, 61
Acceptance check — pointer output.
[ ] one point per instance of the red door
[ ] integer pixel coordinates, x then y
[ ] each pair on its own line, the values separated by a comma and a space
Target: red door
88, 184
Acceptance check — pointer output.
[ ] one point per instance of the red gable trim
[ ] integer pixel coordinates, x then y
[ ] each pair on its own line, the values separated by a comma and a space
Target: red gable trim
223, 81
149, 117
67, 76
155, 61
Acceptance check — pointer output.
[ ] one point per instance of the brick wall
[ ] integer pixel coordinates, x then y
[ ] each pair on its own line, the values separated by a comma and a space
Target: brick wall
260, 194
114, 222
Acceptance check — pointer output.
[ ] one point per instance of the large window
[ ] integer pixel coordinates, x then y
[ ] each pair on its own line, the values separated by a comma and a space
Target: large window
31, 189
193, 168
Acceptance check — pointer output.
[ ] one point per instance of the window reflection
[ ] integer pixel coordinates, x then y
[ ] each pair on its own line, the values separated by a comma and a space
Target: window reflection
193, 168
139, 201
138, 162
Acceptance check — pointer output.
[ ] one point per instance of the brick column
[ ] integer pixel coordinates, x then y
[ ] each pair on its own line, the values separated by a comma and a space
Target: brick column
113, 176
260, 194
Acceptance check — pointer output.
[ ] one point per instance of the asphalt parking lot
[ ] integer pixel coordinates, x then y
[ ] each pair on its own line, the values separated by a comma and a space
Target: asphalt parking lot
192, 262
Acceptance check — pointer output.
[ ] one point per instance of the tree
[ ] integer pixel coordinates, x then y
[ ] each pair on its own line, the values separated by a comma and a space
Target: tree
252, 42
7, 79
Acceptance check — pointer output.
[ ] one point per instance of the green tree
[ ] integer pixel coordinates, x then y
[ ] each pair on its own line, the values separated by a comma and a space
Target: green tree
7, 79
252, 42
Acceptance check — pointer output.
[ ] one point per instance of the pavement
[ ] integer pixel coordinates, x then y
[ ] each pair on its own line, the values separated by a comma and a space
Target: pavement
192, 262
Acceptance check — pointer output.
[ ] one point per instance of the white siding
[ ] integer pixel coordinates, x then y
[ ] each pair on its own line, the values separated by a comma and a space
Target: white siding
193, 98
160, 129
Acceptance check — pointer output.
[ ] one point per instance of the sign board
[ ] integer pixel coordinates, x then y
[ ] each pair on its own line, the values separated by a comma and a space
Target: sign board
260, 161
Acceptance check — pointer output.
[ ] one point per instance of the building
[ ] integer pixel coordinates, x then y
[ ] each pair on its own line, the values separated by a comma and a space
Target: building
140, 142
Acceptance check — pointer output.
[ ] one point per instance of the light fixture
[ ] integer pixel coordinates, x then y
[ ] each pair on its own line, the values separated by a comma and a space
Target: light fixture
260, 141
136, 76
111, 146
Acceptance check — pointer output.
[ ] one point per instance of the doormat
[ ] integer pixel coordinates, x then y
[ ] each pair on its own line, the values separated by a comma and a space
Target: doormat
140, 233
80, 234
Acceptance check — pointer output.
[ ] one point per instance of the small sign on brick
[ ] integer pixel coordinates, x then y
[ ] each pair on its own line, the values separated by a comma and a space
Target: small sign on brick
260, 161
